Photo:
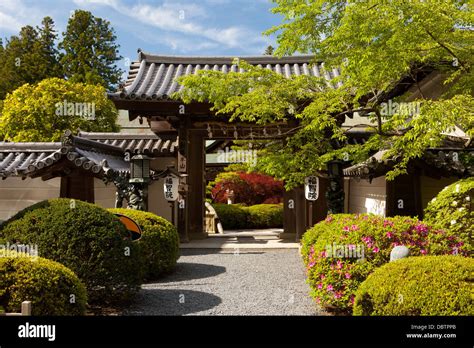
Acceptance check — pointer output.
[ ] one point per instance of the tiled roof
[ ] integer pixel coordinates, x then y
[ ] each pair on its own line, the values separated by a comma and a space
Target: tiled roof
148, 144
153, 77
96, 152
27, 159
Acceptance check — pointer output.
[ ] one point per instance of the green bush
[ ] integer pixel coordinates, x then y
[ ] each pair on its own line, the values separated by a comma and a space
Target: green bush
452, 211
428, 285
85, 238
232, 216
236, 216
265, 215
159, 242
52, 288
340, 252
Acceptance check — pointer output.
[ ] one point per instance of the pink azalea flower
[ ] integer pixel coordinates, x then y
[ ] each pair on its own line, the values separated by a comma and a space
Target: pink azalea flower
354, 227
322, 276
352, 299
389, 234
311, 264
375, 250
329, 288
423, 251
339, 264
337, 295
348, 276
320, 286
346, 229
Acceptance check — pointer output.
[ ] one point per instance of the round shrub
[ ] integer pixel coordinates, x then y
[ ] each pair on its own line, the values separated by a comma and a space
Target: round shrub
52, 288
265, 215
452, 210
159, 243
232, 216
340, 252
85, 238
428, 285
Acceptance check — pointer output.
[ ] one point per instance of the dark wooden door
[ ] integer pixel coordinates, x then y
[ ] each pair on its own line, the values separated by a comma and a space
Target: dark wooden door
403, 196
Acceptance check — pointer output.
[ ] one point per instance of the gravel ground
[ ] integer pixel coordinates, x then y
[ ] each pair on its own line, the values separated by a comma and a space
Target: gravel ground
209, 282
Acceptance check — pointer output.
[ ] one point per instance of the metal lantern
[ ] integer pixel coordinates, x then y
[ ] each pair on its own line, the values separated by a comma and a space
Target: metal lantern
335, 168
139, 169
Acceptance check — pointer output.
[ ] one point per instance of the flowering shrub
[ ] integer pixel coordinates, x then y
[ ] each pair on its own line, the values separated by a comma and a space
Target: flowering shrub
452, 210
248, 188
340, 252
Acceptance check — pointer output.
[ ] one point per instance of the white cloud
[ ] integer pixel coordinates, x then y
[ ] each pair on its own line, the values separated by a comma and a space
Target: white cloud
14, 14
184, 19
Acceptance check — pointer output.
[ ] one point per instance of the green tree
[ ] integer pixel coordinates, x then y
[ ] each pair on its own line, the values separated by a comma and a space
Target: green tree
374, 45
42, 112
29, 57
269, 50
90, 51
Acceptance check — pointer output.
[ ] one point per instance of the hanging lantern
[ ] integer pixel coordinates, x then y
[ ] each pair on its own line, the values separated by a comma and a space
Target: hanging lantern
139, 169
170, 188
335, 168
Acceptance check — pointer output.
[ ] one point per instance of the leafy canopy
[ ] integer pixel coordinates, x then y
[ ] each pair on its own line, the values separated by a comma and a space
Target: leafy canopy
374, 45
42, 112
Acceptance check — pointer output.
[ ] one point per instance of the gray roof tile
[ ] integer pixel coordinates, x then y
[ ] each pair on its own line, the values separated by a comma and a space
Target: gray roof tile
153, 77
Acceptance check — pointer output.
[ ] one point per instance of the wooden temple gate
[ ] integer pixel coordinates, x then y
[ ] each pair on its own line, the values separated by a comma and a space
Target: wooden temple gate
146, 94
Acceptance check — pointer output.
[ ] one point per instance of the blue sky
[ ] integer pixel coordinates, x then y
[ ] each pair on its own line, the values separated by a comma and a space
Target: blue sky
168, 27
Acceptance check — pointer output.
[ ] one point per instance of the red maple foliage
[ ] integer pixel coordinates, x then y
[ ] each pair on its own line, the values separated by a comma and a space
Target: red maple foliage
248, 188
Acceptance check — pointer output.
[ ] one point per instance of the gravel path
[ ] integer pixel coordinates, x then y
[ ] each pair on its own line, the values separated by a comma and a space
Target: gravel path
209, 282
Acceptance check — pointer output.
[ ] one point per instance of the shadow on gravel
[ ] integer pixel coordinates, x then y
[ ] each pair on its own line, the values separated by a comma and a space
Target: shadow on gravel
188, 271
192, 252
173, 302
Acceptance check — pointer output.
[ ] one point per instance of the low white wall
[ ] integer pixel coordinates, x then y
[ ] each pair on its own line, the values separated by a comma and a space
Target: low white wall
365, 197
430, 187
17, 194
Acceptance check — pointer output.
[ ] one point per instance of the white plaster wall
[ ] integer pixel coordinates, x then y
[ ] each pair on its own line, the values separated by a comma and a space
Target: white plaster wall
17, 194
365, 197
430, 187
104, 195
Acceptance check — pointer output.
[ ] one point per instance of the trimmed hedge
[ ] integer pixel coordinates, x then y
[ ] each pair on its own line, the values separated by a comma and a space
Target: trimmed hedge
428, 285
265, 215
340, 252
52, 288
236, 216
232, 216
85, 238
159, 242
452, 210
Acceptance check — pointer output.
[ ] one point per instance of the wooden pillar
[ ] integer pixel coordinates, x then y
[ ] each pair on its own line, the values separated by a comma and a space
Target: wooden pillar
319, 209
301, 212
289, 215
182, 222
77, 186
196, 184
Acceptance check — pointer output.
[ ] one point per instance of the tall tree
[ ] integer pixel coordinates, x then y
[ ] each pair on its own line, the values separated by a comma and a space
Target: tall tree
48, 37
269, 50
29, 57
90, 50
374, 45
